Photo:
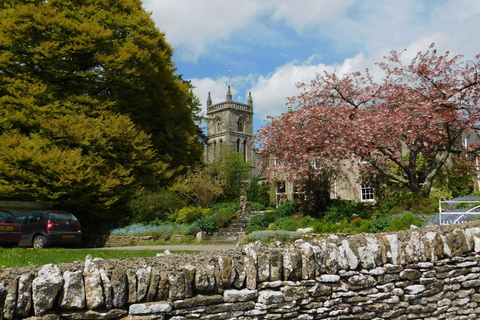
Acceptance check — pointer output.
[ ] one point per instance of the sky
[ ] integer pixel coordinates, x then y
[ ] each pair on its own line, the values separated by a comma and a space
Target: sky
271, 45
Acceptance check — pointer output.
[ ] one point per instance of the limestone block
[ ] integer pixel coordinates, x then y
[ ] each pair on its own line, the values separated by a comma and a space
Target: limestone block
238, 275
45, 288
368, 253
200, 300
73, 294
469, 233
268, 297
263, 273
457, 242
94, 315
361, 281
239, 295
294, 293
93, 284
308, 261
119, 283
201, 283
149, 308
176, 281
153, 284
24, 296
163, 287
132, 285
189, 272
393, 253
225, 268
143, 281
415, 289
11, 299
3, 296
410, 274
415, 248
276, 266
347, 258
251, 272
107, 289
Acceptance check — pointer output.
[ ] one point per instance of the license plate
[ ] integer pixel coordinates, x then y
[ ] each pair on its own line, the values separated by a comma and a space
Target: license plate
68, 236
6, 228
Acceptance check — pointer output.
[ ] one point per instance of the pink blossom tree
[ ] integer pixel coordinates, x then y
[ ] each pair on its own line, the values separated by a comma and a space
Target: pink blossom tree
404, 127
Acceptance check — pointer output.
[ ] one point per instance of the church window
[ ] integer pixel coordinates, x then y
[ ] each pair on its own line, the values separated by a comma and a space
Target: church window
240, 124
238, 145
245, 150
217, 124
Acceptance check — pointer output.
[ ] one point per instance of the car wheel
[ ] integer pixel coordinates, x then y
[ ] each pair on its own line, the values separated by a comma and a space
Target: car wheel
39, 242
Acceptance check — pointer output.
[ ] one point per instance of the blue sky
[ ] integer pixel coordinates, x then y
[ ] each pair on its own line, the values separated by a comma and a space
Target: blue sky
270, 45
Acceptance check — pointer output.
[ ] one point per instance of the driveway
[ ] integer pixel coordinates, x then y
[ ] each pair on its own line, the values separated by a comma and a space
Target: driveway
179, 247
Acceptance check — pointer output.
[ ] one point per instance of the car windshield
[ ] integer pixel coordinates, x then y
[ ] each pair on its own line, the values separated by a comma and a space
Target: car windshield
62, 216
6, 217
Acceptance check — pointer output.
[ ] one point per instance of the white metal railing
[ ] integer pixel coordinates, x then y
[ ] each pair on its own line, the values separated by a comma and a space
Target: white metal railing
457, 215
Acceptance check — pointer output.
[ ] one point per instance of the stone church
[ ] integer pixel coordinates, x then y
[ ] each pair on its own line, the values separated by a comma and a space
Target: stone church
230, 128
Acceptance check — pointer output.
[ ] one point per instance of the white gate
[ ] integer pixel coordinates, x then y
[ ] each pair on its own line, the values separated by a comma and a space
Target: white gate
452, 211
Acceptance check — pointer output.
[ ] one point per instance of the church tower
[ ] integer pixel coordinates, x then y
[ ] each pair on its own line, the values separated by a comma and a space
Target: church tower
229, 127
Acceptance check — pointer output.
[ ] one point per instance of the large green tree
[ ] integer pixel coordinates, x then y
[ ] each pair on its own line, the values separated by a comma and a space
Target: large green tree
105, 51
91, 110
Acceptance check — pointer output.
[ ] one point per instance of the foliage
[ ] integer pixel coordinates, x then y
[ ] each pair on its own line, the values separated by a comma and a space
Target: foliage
233, 172
199, 186
380, 225
229, 207
256, 206
155, 205
257, 222
288, 209
190, 214
346, 210
161, 230
89, 57
258, 193
269, 235
460, 177
286, 223
413, 117
208, 223
404, 221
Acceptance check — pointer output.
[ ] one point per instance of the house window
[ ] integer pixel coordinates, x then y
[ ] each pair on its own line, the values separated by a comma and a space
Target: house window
366, 192
280, 194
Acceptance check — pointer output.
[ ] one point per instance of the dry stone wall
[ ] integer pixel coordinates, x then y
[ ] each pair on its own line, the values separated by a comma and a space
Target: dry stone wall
430, 273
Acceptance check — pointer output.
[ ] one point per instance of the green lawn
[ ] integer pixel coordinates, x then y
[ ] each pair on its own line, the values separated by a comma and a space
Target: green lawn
21, 257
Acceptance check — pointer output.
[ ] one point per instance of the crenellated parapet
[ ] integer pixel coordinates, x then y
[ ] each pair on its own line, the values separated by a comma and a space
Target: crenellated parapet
426, 273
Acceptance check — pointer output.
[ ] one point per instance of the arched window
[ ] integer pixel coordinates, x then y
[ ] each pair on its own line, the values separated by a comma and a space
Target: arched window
241, 124
218, 124
238, 145
214, 149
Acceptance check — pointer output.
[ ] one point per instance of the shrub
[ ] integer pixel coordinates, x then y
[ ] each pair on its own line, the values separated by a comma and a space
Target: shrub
223, 218
306, 222
155, 205
208, 223
345, 210
288, 209
270, 215
379, 225
257, 222
229, 207
256, 206
287, 236
286, 223
190, 214
403, 222
262, 236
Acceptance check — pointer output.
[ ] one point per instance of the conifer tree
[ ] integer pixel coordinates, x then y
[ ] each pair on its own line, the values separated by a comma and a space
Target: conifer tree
91, 110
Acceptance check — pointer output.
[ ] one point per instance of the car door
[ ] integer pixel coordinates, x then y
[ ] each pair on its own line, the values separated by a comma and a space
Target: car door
31, 224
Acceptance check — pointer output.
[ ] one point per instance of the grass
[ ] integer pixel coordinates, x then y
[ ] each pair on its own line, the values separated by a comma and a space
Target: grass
22, 257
